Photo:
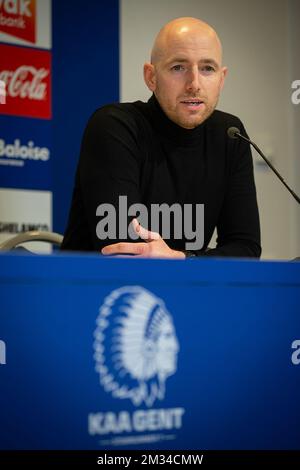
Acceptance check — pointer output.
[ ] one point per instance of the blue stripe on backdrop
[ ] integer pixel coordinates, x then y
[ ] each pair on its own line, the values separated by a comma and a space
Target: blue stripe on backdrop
85, 76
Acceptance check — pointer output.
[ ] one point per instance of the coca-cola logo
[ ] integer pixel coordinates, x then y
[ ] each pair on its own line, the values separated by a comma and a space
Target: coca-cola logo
27, 77
26, 82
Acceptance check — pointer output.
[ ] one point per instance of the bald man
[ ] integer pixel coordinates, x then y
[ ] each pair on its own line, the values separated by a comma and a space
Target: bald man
186, 64
170, 155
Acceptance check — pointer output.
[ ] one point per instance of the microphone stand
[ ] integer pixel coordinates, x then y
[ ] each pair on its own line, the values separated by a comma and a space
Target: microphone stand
269, 164
234, 133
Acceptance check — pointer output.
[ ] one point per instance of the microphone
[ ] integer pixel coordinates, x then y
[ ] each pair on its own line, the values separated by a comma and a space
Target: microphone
234, 133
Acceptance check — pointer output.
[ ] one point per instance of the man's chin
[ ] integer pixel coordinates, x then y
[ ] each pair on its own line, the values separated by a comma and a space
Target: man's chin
193, 121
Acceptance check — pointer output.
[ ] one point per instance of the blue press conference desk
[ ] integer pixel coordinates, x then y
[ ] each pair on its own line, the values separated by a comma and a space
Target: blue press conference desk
122, 353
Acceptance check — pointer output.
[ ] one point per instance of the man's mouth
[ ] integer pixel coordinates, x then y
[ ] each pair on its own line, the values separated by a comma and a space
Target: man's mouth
192, 102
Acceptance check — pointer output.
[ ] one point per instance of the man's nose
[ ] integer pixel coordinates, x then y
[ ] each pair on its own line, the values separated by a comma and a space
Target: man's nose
193, 80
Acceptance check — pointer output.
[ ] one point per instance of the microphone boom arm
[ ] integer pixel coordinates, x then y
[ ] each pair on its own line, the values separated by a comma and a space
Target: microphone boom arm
269, 164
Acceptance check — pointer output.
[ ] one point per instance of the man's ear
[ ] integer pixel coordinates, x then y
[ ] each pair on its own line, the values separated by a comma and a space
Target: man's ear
149, 76
223, 76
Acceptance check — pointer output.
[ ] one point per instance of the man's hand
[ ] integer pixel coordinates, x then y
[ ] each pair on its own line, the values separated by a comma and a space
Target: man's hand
153, 247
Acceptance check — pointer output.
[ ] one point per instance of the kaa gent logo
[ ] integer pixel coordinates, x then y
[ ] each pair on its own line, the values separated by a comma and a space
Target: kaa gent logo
135, 345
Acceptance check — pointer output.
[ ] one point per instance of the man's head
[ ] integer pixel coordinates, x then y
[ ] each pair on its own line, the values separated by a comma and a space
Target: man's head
186, 73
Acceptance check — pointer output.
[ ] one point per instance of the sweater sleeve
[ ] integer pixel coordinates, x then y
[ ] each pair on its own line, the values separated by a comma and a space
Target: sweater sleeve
238, 226
109, 167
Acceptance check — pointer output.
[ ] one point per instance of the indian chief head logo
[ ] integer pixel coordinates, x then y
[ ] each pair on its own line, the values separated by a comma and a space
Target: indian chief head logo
135, 345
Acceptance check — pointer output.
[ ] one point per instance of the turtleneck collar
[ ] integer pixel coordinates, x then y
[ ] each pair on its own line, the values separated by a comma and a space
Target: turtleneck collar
172, 131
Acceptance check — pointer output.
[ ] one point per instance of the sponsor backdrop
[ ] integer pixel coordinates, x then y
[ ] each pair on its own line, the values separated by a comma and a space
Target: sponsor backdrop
25, 116
46, 96
17, 216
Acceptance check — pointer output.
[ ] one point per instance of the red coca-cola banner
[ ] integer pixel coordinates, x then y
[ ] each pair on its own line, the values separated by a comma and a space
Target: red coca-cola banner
27, 75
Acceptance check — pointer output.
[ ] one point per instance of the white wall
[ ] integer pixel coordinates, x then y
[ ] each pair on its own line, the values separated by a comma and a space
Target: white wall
259, 51
294, 119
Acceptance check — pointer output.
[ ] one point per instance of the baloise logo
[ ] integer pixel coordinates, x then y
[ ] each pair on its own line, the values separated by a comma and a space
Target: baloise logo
135, 345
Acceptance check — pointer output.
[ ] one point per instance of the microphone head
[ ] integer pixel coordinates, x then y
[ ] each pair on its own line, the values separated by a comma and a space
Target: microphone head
232, 131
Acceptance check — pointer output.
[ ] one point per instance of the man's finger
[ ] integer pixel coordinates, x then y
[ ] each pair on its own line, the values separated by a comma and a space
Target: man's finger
144, 233
124, 248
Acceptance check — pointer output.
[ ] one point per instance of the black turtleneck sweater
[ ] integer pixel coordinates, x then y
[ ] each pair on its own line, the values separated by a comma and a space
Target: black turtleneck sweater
133, 149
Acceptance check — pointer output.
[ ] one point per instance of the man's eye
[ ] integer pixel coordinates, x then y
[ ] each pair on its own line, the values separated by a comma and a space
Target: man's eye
208, 69
177, 68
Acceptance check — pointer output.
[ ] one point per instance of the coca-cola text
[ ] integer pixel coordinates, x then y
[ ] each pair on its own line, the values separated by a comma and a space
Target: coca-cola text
26, 82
